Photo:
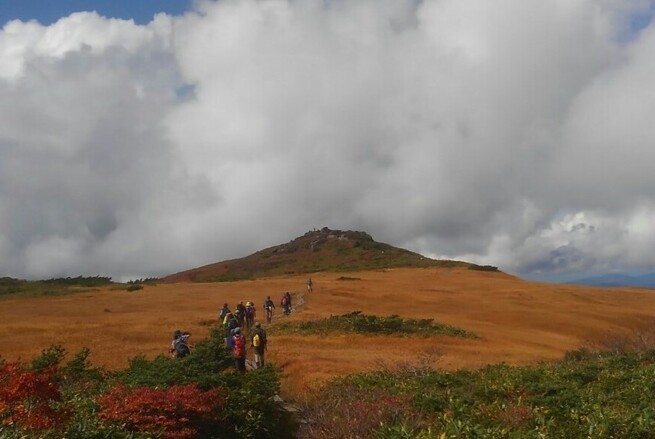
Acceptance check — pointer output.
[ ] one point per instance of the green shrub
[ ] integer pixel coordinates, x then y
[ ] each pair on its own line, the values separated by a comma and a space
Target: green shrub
251, 406
50, 287
51, 356
592, 396
483, 267
368, 324
201, 367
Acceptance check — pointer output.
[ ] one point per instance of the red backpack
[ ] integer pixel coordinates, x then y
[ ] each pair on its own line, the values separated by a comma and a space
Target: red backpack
239, 349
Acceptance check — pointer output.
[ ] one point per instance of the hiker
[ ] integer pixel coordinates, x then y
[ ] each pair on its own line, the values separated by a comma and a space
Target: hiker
269, 306
180, 344
240, 312
289, 305
238, 315
223, 313
310, 285
250, 314
229, 341
231, 322
286, 303
239, 350
259, 342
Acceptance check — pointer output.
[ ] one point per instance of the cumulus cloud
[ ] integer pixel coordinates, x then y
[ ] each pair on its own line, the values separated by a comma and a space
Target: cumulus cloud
514, 133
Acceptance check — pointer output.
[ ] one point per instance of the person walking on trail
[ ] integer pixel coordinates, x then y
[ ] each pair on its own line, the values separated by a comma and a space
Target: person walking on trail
288, 295
258, 342
250, 314
223, 313
231, 323
310, 285
240, 316
269, 306
240, 313
239, 350
286, 303
229, 341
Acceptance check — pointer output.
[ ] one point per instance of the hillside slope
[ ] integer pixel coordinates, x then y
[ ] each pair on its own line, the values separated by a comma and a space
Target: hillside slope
315, 251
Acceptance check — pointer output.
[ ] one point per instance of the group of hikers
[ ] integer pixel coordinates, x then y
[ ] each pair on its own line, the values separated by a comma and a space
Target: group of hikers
237, 326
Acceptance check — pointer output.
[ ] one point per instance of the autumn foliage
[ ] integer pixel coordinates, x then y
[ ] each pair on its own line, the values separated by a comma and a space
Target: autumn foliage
30, 399
179, 412
170, 398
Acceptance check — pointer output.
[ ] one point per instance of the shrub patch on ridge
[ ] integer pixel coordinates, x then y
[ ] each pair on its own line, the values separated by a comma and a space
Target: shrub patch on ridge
369, 324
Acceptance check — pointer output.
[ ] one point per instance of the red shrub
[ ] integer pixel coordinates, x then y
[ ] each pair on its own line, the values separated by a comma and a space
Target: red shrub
178, 411
28, 398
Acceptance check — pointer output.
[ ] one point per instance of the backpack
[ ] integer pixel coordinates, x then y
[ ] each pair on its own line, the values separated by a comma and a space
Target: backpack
181, 348
285, 301
259, 339
250, 311
239, 349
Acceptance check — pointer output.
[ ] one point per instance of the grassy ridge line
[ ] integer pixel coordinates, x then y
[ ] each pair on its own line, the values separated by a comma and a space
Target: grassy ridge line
51, 287
10, 287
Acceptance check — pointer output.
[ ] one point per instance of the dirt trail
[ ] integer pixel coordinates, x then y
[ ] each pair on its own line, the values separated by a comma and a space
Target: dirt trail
519, 322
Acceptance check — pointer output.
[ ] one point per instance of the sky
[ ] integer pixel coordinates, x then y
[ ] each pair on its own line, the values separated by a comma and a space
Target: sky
139, 139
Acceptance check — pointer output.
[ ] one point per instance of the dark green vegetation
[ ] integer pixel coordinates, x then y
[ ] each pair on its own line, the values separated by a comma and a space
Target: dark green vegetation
483, 268
64, 285
588, 395
316, 251
367, 324
198, 396
51, 287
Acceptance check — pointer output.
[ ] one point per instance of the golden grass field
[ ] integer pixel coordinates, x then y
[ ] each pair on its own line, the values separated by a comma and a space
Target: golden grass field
519, 322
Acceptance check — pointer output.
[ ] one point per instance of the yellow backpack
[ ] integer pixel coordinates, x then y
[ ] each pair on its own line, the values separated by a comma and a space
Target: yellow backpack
256, 342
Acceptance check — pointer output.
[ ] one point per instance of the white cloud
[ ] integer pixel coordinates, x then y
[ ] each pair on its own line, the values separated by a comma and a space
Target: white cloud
457, 128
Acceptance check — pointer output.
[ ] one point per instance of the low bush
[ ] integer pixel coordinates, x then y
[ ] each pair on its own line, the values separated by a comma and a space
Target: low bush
368, 324
30, 400
592, 396
200, 367
483, 267
176, 412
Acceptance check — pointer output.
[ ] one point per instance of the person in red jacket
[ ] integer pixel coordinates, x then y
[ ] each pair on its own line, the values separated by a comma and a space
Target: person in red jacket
239, 350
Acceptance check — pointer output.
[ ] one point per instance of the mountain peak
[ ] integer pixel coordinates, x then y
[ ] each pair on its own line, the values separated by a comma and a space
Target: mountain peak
316, 250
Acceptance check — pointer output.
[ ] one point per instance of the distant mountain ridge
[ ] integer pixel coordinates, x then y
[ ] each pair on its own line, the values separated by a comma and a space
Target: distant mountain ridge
315, 251
618, 280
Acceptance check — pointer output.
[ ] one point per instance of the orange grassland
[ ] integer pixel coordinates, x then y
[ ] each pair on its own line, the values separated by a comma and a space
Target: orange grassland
518, 322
